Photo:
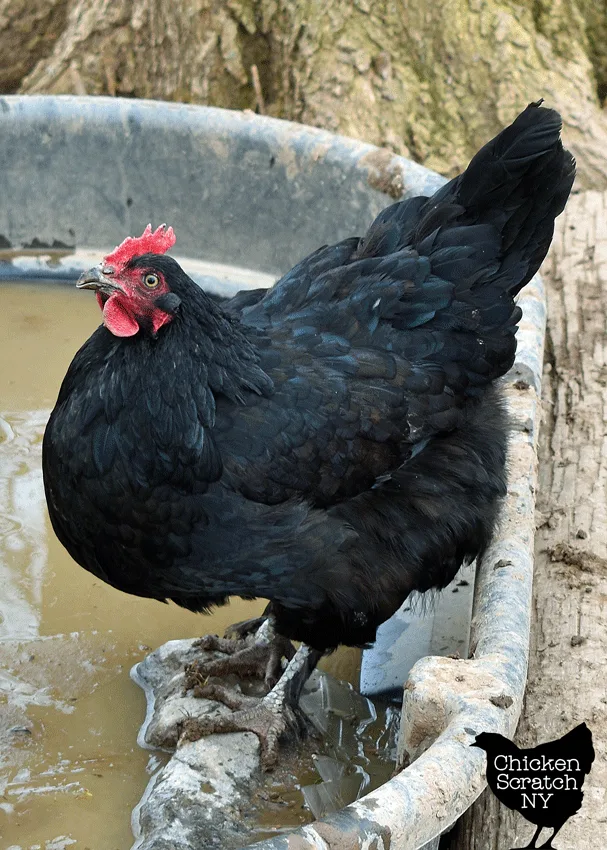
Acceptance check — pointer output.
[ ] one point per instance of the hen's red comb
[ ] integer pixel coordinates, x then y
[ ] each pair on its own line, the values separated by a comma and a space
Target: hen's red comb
157, 242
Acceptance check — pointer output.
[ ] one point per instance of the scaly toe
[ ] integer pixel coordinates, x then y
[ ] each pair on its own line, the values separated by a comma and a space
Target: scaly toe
249, 715
247, 658
250, 662
227, 696
213, 643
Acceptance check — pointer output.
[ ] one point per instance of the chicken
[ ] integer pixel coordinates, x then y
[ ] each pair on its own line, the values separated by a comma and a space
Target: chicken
331, 444
545, 783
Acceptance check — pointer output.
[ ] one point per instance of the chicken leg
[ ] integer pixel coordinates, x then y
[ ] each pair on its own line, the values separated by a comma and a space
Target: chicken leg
256, 653
271, 717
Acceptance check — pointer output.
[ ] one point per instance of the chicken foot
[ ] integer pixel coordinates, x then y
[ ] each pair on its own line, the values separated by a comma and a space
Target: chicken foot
258, 655
271, 717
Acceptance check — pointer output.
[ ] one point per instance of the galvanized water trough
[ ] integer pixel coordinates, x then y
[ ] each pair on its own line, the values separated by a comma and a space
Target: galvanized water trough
261, 193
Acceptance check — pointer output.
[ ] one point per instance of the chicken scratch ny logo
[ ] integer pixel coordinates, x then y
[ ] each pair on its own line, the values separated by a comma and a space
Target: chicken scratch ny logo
545, 783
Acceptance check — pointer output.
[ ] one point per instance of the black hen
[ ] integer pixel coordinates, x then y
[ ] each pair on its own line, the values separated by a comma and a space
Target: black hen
545, 783
331, 444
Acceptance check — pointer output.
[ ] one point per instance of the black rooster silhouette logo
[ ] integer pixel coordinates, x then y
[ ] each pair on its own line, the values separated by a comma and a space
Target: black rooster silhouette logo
545, 783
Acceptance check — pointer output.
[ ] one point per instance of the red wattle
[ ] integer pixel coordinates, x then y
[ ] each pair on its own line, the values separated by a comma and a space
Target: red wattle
117, 319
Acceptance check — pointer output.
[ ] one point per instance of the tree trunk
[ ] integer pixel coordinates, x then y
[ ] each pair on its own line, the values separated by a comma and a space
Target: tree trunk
567, 683
432, 81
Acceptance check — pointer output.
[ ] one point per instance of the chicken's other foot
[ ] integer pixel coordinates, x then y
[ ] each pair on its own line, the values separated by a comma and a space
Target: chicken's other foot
257, 656
272, 718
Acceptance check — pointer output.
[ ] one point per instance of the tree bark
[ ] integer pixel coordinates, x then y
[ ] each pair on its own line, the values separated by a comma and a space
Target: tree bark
28, 32
432, 81
567, 682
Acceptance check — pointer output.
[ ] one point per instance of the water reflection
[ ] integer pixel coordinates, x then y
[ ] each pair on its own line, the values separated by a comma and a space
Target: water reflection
23, 550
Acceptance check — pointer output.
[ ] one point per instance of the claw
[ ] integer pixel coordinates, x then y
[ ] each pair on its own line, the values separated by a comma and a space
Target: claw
195, 679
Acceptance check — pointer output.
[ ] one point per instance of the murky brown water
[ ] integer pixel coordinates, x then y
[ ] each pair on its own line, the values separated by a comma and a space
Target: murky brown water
70, 768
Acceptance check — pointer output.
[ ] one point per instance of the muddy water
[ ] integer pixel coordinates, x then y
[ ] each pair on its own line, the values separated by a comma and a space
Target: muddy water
70, 769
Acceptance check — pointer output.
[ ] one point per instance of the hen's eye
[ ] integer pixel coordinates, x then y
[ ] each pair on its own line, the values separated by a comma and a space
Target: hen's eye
151, 281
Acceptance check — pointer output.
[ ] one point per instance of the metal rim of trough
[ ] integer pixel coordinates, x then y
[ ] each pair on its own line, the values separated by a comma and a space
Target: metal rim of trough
447, 701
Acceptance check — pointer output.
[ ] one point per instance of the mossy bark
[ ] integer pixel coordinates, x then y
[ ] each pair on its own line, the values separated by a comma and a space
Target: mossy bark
431, 81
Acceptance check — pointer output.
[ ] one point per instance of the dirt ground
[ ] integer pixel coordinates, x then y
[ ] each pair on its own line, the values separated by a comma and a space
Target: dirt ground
568, 660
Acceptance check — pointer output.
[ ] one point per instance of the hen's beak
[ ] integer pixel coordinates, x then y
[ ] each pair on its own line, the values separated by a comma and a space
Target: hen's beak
95, 279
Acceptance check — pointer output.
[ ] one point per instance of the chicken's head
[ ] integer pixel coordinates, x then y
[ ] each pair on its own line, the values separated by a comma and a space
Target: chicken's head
131, 287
